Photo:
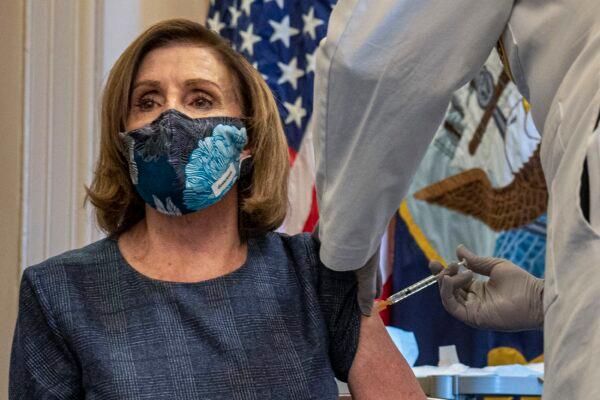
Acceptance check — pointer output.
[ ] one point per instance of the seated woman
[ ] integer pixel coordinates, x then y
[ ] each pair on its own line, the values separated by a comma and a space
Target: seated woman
192, 295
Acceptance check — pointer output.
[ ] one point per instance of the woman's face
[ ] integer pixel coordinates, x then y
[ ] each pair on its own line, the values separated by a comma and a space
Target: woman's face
187, 77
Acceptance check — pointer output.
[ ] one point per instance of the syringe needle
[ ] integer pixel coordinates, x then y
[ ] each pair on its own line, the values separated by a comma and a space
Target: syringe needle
409, 291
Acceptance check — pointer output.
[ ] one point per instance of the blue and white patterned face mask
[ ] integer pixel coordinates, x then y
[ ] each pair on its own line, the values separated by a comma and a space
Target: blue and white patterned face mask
179, 164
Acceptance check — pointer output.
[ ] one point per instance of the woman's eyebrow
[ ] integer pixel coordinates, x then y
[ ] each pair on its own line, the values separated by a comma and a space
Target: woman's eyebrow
147, 82
193, 82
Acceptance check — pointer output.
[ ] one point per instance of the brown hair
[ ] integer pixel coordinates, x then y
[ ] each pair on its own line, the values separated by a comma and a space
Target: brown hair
262, 194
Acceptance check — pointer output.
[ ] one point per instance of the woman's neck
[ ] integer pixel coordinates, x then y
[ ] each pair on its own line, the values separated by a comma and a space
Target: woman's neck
190, 248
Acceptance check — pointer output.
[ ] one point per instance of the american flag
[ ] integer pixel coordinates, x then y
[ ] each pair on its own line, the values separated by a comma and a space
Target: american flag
280, 37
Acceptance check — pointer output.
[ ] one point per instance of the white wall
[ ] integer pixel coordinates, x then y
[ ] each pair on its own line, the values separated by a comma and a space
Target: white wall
12, 31
124, 20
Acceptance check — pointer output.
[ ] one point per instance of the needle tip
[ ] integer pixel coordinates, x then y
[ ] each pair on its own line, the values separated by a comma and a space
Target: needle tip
382, 305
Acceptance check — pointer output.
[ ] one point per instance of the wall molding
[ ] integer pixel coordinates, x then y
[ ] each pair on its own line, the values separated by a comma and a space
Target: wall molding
63, 73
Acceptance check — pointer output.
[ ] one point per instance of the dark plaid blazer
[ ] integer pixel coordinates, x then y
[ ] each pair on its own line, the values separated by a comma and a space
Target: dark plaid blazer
279, 327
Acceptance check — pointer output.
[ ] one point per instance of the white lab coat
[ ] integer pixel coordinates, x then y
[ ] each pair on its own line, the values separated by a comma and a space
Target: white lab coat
384, 78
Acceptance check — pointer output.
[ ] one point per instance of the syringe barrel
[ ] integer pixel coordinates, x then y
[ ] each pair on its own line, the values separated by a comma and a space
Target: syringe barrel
412, 289
417, 287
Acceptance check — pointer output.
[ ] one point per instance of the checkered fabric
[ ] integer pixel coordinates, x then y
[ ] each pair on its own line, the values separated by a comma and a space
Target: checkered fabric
279, 327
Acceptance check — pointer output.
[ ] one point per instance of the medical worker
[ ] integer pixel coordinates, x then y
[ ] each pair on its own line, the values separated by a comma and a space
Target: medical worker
385, 75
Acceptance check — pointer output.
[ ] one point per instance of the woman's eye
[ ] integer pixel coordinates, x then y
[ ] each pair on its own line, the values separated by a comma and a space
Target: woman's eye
146, 104
201, 102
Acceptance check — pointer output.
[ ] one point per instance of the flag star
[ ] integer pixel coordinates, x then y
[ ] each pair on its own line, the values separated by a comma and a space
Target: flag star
311, 62
295, 112
283, 31
290, 73
215, 23
235, 15
249, 39
246, 6
311, 23
279, 3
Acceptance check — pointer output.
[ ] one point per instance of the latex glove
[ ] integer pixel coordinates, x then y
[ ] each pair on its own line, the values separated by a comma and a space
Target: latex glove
369, 281
510, 300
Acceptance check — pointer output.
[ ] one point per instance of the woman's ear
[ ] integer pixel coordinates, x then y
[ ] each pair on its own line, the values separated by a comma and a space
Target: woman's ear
246, 164
245, 154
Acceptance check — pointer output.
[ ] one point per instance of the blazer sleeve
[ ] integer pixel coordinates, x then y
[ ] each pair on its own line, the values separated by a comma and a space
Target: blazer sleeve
41, 365
337, 297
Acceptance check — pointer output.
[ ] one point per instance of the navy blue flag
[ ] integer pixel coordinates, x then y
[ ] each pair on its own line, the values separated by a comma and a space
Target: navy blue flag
433, 327
480, 184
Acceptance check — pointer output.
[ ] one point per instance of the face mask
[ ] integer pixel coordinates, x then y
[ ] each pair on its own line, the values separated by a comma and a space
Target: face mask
179, 164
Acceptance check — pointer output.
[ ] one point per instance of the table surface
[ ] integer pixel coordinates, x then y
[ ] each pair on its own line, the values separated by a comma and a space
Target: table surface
452, 387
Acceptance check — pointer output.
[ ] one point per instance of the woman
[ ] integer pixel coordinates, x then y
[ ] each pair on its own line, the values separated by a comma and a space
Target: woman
192, 295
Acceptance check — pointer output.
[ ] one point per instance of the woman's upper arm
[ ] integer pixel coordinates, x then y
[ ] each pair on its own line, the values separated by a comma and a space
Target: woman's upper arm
360, 349
41, 365
379, 371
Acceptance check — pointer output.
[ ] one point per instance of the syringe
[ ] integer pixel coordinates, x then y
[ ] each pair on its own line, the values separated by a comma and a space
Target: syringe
412, 289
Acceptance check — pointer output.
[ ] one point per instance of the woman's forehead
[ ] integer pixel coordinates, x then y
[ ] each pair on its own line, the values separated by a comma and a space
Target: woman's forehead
184, 62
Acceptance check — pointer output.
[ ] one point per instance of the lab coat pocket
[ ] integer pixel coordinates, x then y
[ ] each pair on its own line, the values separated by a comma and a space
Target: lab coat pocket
573, 240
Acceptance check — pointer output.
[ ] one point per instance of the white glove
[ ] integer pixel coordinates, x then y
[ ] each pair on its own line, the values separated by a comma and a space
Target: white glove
510, 300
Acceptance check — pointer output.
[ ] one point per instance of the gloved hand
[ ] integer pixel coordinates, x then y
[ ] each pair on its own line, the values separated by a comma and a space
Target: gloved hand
369, 280
510, 300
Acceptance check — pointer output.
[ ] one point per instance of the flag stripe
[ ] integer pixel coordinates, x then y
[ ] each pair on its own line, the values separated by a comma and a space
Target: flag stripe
418, 235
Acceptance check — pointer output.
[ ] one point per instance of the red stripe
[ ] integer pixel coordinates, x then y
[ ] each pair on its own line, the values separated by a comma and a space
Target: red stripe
293, 155
386, 291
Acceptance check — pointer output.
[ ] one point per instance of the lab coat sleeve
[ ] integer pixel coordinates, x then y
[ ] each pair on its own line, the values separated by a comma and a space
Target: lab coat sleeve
385, 75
